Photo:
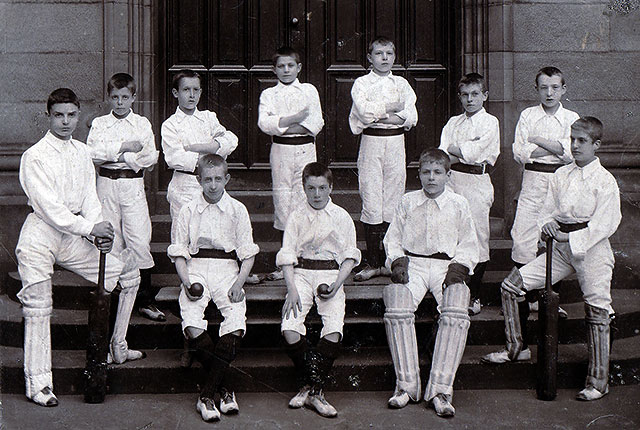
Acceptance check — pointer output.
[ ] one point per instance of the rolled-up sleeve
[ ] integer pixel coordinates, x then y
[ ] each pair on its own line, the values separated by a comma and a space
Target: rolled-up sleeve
409, 113
466, 252
268, 120
288, 253
245, 246
393, 239
174, 153
314, 121
226, 139
350, 251
367, 111
101, 150
486, 148
522, 149
180, 241
148, 156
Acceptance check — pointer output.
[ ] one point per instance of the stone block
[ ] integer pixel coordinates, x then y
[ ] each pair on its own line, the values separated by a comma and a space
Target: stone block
63, 27
625, 31
23, 122
500, 27
500, 76
589, 76
621, 119
560, 27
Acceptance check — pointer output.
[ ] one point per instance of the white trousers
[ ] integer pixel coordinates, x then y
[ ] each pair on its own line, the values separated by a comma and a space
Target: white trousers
478, 190
124, 205
287, 162
330, 310
217, 276
525, 231
382, 174
426, 275
181, 190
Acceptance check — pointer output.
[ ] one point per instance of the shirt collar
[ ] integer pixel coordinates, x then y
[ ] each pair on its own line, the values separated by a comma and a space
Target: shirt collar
440, 201
376, 77
224, 204
58, 144
558, 113
181, 116
294, 84
113, 120
588, 170
475, 117
312, 213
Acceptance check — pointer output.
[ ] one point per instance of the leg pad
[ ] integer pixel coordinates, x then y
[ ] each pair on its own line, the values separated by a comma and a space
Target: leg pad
598, 335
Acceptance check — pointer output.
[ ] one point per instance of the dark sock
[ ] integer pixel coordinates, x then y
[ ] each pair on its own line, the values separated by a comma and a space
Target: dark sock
371, 240
297, 352
475, 283
382, 231
320, 361
223, 354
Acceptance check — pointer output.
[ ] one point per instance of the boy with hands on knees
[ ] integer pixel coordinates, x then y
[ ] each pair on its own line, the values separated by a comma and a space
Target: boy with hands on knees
212, 231
318, 252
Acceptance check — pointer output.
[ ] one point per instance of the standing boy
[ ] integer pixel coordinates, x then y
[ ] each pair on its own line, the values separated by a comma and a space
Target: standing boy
58, 177
122, 146
383, 109
212, 231
291, 114
318, 252
542, 145
582, 211
472, 141
432, 246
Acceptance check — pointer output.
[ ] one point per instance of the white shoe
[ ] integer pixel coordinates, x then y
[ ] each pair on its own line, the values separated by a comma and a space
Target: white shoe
503, 357
253, 279
119, 353
152, 312
592, 393
45, 397
276, 275
298, 400
318, 402
475, 307
533, 306
399, 400
207, 409
228, 404
443, 406
366, 273
384, 271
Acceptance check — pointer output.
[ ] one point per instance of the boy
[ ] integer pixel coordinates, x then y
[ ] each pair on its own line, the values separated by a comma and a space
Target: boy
542, 145
291, 114
431, 246
318, 252
582, 211
383, 109
472, 141
212, 231
122, 146
58, 177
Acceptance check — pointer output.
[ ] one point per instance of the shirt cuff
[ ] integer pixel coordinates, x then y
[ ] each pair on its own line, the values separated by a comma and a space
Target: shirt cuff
577, 242
247, 251
176, 250
286, 257
84, 226
352, 253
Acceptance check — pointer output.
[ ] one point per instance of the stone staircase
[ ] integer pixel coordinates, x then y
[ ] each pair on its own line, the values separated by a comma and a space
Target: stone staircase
263, 366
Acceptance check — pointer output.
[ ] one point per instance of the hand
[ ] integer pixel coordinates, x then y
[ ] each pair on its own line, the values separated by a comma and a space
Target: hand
550, 229
394, 107
331, 291
103, 230
131, 146
236, 293
291, 303
104, 245
400, 270
300, 116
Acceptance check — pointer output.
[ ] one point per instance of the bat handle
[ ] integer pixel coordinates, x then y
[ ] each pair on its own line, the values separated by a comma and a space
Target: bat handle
549, 255
101, 269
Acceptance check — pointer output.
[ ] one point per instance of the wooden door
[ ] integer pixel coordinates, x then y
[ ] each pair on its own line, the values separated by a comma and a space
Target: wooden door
230, 42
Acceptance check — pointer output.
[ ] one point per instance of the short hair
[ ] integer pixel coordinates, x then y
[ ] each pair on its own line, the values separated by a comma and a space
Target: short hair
62, 95
381, 40
473, 78
550, 71
211, 160
591, 125
285, 51
316, 169
435, 155
121, 80
184, 73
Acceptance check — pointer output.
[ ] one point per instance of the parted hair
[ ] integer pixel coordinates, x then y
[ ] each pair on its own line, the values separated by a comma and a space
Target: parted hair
121, 80
435, 155
550, 71
381, 40
316, 169
62, 95
211, 160
473, 78
185, 73
591, 125
285, 51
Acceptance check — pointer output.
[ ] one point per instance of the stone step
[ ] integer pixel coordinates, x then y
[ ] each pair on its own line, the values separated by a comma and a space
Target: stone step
366, 369
69, 327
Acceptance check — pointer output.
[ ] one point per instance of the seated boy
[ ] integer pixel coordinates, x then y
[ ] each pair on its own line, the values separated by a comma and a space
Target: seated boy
58, 177
212, 231
383, 109
122, 146
472, 141
431, 246
584, 208
318, 253
291, 114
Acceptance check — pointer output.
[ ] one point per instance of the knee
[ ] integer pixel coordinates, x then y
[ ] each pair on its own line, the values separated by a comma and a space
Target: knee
37, 298
193, 332
291, 336
456, 296
227, 347
130, 274
397, 296
514, 283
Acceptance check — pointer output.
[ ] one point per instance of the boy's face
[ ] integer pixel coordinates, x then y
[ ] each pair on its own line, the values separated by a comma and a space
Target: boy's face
213, 179
583, 148
286, 69
188, 94
382, 58
472, 97
317, 189
63, 119
433, 178
550, 90
121, 100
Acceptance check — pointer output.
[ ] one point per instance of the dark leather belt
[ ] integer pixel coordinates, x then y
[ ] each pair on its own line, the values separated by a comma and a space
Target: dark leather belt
468, 168
119, 173
187, 173
568, 228
383, 131
215, 253
436, 256
542, 167
293, 140
304, 263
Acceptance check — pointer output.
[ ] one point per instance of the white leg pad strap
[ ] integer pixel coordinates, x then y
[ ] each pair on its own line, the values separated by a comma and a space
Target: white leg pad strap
598, 333
512, 329
399, 322
37, 350
450, 342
